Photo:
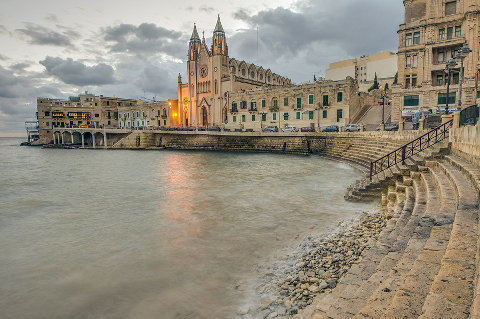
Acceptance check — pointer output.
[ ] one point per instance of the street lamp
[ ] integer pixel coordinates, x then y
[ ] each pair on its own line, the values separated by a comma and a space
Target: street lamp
448, 67
384, 96
462, 54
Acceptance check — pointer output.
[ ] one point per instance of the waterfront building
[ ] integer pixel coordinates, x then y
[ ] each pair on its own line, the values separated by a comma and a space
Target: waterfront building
431, 35
364, 69
211, 74
318, 104
92, 111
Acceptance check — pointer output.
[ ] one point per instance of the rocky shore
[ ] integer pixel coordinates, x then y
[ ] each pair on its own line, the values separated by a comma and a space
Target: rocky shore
292, 282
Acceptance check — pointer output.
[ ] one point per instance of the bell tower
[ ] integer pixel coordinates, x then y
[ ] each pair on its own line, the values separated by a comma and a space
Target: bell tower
219, 42
194, 45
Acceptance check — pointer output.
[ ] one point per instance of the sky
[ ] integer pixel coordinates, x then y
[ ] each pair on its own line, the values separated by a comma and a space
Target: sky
136, 49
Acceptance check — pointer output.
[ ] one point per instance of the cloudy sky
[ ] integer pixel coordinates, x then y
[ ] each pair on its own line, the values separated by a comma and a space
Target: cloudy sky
134, 49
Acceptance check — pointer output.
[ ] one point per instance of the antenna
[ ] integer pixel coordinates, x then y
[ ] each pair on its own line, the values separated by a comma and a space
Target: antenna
257, 43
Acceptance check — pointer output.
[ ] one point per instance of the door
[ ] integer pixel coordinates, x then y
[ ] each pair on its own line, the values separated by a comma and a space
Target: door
204, 117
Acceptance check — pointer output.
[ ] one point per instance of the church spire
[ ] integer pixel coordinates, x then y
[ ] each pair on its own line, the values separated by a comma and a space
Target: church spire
194, 33
218, 27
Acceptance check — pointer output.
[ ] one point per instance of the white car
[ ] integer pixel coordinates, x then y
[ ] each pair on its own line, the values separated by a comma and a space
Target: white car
289, 129
352, 128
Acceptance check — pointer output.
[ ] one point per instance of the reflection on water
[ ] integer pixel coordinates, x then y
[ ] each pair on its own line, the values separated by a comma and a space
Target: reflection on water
157, 234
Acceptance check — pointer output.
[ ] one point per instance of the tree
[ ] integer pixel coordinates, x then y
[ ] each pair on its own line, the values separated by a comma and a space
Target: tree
375, 83
395, 80
386, 86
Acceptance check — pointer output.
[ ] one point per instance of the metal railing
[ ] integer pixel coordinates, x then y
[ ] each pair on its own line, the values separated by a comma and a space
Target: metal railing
410, 149
469, 115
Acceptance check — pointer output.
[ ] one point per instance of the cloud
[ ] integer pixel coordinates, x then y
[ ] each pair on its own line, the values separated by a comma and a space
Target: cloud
3, 30
77, 73
146, 38
20, 66
315, 33
206, 9
37, 34
51, 17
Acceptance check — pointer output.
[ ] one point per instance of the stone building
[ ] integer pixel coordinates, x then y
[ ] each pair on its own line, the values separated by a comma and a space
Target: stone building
211, 74
316, 105
144, 114
92, 111
364, 69
432, 33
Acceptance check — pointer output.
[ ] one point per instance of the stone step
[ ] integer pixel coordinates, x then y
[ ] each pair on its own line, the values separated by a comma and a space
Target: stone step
415, 235
357, 274
348, 305
410, 296
452, 290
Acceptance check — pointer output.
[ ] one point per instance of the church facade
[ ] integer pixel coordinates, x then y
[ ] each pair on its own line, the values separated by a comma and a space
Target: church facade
211, 75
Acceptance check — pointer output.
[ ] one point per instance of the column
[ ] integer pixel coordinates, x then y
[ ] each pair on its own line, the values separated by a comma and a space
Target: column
83, 140
421, 124
63, 137
71, 135
105, 139
456, 119
93, 139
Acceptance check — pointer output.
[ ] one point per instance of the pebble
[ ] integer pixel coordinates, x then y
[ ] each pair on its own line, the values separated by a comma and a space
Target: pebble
318, 269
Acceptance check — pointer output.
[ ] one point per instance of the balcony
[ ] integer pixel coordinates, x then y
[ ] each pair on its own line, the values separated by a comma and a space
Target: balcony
252, 109
234, 110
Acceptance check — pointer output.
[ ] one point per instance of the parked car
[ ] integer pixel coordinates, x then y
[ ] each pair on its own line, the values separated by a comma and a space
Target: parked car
201, 129
270, 129
331, 128
352, 128
214, 128
289, 129
307, 129
389, 127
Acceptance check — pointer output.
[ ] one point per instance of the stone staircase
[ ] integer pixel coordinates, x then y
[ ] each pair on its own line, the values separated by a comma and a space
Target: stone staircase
425, 262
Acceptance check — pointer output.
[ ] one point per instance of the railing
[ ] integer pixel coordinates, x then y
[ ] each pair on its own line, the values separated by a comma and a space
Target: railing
410, 149
469, 115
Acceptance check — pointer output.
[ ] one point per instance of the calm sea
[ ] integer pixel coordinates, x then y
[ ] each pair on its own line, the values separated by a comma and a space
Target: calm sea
152, 234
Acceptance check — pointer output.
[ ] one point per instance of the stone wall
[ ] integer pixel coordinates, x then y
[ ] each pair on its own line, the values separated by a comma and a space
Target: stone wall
466, 142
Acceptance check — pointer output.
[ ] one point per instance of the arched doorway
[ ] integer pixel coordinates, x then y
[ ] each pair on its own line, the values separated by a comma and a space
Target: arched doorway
204, 117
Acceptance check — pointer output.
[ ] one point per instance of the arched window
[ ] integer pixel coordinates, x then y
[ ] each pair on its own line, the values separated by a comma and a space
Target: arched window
234, 70
252, 75
244, 72
261, 77
269, 79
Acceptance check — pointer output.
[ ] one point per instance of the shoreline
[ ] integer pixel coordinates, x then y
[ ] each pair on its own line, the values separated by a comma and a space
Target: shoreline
289, 281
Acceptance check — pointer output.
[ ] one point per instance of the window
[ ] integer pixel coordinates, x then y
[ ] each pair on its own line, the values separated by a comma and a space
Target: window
439, 79
243, 118
441, 34
299, 102
408, 39
234, 70
243, 104
455, 78
450, 8
244, 72
252, 75
253, 117
414, 80
264, 103
449, 33
137, 113
442, 98
234, 107
234, 118
407, 81
264, 116
97, 115
325, 100
339, 114
339, 97
458, 31
324, 114
441, 57
297, 115
261, 77
285, 116
275, 103
310, 99
408, 63
310, 115
410, 100
416, 37
285, 101
108, 102
253, 105
47, 113
269, 79
274, 116
414, 61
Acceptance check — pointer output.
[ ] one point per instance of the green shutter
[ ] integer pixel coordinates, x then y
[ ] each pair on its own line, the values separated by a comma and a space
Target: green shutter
253, 117
324, 114
243, 118
263, 103
234, 118
274, 116
310, 115
413, 100
285, 101
310, 99
299, 102
298, 115
339, 97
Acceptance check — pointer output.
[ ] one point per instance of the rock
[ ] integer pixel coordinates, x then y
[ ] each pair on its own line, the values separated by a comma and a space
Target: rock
281, 310
332, 283
272, 315
266, 303
288, 304
322, 284
314, 288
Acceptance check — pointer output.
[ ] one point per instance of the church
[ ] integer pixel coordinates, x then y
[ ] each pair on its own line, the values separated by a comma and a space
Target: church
212, 74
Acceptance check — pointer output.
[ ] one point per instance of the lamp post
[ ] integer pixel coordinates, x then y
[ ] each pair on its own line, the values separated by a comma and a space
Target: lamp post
384, 96
462, 54
448, 67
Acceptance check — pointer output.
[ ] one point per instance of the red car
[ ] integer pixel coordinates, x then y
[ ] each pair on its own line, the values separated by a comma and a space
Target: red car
307, 129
